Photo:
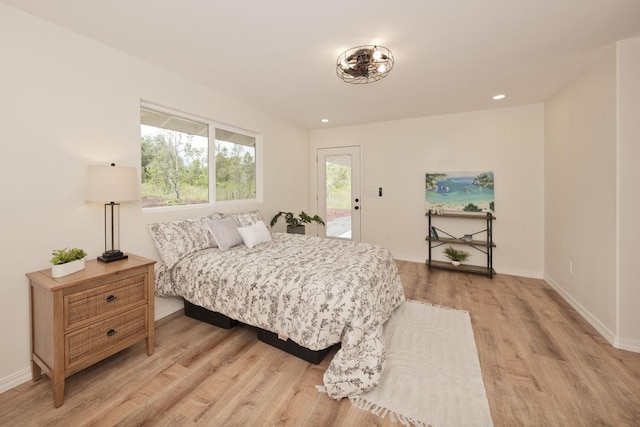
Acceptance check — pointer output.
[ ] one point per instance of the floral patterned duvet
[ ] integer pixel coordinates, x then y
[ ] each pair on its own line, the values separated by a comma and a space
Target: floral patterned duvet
317, 292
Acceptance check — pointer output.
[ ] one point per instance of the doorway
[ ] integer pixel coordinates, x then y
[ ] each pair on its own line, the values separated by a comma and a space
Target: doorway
339, 200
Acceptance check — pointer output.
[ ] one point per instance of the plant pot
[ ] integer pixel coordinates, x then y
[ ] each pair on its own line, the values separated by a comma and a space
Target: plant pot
455, 263
295, 230
67, 268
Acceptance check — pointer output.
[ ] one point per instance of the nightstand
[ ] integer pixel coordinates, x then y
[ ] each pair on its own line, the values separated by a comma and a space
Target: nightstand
80, 319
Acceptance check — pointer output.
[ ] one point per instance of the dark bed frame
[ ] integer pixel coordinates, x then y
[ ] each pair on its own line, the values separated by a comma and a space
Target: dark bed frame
222, 321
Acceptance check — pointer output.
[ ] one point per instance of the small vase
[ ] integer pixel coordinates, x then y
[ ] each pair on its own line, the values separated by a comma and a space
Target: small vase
455, 263
59, 270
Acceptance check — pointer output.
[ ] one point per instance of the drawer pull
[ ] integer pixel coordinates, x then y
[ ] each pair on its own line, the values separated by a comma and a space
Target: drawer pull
111, 298
111, 332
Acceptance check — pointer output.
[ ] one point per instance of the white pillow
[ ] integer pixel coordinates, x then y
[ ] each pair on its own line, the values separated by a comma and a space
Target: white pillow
254, 234
225, 233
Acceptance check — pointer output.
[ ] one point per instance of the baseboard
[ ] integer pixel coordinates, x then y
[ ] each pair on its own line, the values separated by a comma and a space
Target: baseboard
170, 306
408, 258
626, 344
609, 335
519, 273
15, 379
24, 375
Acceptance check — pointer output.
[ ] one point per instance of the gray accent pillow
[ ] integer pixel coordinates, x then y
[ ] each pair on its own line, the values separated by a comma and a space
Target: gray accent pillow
225, 233
207, 220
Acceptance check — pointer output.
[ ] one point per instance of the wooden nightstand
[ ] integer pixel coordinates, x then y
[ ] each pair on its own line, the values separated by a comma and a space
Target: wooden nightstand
80, 319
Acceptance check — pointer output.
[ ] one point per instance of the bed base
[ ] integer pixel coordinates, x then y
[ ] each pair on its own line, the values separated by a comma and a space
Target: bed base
207, 316
288, 346
311, 356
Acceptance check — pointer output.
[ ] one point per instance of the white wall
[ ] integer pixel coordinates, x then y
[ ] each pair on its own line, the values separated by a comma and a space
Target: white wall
397, 154
580, 162
592, 200
628, 91
68, 102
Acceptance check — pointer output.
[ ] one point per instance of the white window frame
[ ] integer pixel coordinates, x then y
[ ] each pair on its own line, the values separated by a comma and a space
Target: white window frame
212, 125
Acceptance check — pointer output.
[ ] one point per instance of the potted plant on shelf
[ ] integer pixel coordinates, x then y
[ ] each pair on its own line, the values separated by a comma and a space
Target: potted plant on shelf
66, 261
456, 256
295, 225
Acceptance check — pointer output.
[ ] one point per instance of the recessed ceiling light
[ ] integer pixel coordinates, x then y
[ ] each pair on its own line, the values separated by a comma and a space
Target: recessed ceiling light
499, 97
325, 120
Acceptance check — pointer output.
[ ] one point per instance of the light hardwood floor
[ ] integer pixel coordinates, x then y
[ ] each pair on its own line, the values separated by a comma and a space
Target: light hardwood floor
542, 364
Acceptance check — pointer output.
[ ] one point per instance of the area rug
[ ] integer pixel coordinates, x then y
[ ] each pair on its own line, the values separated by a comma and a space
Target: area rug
432, 374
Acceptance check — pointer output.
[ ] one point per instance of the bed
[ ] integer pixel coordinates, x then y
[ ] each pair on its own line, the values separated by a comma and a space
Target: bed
312, 291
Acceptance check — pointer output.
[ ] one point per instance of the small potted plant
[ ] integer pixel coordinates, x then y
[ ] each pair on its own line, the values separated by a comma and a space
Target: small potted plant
295, 225
456, 256
66, 261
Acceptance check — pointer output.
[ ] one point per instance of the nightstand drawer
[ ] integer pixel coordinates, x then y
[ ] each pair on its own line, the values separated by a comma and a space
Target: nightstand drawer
93, 339
82, 306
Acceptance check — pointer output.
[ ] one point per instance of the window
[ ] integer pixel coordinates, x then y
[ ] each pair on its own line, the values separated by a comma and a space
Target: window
235, 166
175, 154
187, 161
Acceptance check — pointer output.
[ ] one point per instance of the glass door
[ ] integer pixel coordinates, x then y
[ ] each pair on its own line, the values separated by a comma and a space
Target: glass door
339, 191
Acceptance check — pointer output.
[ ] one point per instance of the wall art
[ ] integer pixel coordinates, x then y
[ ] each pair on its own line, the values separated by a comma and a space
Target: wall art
459, 192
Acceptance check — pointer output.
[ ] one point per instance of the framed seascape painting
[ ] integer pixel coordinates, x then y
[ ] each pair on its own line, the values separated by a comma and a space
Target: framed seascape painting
459, 192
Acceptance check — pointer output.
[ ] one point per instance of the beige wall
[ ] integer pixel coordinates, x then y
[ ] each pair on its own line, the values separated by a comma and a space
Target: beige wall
628, 54
68, 102
397, 154
580, 202
591, 152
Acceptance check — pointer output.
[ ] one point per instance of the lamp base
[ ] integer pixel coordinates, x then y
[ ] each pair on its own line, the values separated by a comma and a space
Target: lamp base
110, 256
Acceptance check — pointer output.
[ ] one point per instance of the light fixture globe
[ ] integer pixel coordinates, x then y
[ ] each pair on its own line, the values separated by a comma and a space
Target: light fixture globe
364, 64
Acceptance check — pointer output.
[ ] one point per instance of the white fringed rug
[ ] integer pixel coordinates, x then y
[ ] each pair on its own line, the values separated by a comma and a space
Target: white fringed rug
432, 374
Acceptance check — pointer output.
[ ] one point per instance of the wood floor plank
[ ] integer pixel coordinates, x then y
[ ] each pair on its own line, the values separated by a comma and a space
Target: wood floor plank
542, 364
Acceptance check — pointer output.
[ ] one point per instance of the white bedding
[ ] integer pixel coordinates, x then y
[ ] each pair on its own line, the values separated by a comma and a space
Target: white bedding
315, 291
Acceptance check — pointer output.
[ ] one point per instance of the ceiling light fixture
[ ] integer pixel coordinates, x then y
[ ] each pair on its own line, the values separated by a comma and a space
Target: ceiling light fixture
325, 120
499, 97
364, 64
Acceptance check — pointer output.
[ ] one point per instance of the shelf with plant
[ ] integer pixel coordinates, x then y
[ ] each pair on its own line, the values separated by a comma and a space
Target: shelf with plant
481, 241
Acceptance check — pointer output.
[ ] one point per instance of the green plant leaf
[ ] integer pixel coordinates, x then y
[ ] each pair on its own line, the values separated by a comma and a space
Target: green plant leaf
63, 256
293, 221
456, 254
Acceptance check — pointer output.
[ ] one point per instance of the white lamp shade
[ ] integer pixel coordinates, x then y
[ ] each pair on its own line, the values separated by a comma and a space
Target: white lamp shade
111, 184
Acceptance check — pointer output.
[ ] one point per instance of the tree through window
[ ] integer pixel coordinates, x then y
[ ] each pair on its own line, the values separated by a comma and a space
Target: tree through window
235, 166
178, 157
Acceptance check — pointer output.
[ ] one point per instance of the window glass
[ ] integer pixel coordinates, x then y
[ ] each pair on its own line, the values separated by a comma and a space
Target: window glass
175, 154
235, 166
178, 159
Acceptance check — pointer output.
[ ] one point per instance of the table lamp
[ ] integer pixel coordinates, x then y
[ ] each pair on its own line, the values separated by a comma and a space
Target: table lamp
111, 185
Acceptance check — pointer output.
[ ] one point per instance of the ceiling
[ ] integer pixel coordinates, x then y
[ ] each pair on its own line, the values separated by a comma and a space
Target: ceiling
280, 55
